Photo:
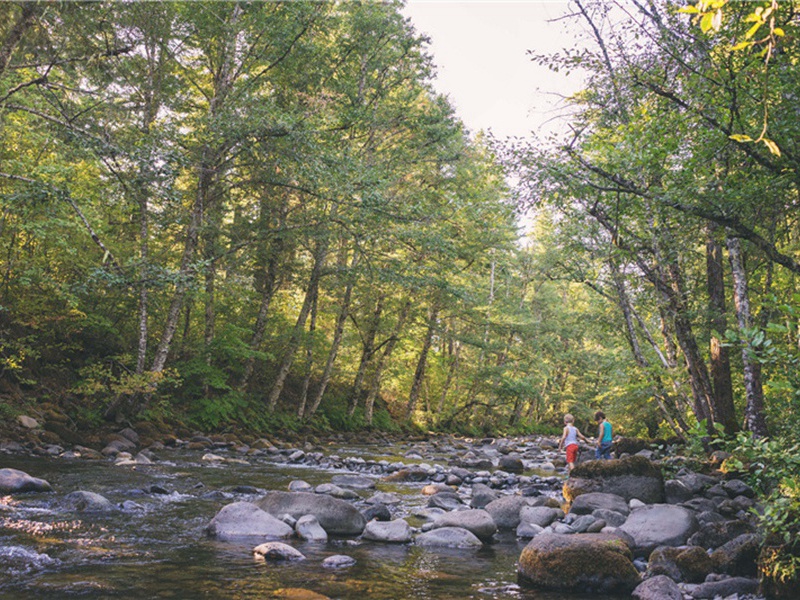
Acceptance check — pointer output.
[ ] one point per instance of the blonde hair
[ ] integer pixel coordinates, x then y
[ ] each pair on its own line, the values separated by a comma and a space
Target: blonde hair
568, 418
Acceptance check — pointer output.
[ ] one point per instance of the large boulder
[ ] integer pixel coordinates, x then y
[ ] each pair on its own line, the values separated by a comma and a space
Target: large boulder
659, 525
584, 562
475, 520
630, 477
13, 481
337, 517
245, 519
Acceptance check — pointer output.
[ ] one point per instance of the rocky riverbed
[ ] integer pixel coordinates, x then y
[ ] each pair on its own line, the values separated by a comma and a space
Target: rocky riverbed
428, 518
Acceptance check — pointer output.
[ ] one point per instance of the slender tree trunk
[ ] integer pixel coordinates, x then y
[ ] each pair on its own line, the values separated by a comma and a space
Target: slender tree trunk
369, 402
754, 412
312, 328
422, 361
720, 361
368, 349
338, 332
320, 255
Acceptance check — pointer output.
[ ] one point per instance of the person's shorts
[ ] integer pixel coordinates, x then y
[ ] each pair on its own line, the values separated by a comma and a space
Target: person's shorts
572, 453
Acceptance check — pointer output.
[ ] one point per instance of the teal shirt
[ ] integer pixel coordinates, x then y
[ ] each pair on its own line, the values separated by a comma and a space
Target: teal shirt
606, 432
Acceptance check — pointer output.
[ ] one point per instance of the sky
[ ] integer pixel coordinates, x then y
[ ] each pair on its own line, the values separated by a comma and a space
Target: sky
480, 48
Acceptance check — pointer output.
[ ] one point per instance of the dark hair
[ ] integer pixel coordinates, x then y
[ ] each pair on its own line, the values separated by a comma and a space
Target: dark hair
599, 415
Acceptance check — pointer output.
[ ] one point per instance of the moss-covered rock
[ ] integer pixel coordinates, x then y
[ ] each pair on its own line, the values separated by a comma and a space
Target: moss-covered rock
630, 477
586, 562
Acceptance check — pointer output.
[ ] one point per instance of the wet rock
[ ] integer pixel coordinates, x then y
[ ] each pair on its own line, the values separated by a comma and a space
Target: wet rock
586, 504
309, 529
511, 464
505, 511
725, 588
337, 517
356, 482
448, 537
13, 481
82, 501
540, 515
397, 531
689, 564
586, 562
377, 512
659, 525
445, 501
528, 530
277, 551
739, 556
244, 519
476, 520
482, 495
715, 535
631, 477
659, 587
338, 561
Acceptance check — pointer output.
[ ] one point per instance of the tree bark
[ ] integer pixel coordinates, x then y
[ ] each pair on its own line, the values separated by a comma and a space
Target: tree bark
720, 361
367, 351
754, 413
422, 361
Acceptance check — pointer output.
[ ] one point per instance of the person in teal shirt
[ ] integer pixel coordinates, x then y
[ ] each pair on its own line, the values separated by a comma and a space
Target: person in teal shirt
604, 440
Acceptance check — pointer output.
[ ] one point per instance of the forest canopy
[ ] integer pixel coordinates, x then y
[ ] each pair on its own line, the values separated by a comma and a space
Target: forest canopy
262, 215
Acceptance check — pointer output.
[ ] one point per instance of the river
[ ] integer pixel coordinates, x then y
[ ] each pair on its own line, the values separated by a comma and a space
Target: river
155, 545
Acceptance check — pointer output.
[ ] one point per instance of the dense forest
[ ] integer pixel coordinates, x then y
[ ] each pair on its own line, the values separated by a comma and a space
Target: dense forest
261, 215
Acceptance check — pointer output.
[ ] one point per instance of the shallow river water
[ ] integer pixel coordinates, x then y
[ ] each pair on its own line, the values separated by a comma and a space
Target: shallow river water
156, 545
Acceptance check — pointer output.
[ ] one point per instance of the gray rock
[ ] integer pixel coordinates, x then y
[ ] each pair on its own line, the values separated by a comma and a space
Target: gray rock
244, 519
612, 518
13, 481
585, 504
338, 561
505, 511
539, 515
445, 500
448, 537
739, 556
482, 495
659, 525
377, 512
386, 498
357, 482
630, 477
309, 529
475, 520
397, 531
82, 501
582, 523
27, 422
528, 530
715, 535
277, 551
298, 485
725, 587
659, 587
337, 517
737, 487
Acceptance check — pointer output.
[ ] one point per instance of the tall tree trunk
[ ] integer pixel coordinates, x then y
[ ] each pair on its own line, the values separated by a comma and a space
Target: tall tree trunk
754, 413
308, 367
369, 402
422, 361
338, 332
367, 350
320, 254
720, 361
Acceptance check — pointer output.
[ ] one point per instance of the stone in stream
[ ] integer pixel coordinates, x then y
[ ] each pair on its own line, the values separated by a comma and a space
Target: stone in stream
505, 511
630, 477
309, 529
244, 519
659, 525
277, 551
82, 501
397, 531
448, 537
337, 517
338, 561
584, 562
539, 515
586, 504
357, 482
13, 481
659, 587
475, 520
